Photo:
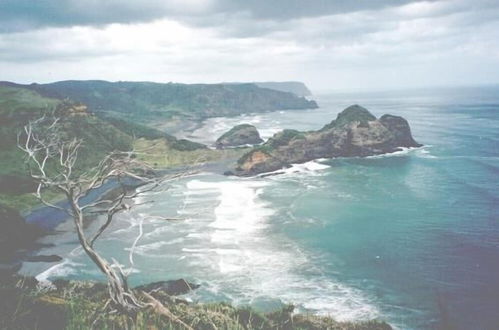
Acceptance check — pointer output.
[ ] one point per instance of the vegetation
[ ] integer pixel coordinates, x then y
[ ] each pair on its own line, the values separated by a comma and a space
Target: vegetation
279, 139
294, 87
354, 113
147, 100
137, 131
239, 135
235, 129
100, 135
283, 138
112, 120
99, 139
79, 305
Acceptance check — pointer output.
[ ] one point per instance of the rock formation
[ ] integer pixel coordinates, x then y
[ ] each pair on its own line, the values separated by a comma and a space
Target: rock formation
15, 235
239, 135
355, 132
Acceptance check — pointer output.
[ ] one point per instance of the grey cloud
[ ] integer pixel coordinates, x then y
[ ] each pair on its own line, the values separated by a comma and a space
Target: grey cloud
242, 19
21, 15
333, 43
290, 9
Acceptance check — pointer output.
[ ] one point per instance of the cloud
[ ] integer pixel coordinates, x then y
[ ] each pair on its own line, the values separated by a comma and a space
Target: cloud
332, 44
22, 15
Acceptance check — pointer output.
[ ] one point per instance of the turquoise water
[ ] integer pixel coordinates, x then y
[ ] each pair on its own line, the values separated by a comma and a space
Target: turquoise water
411, 238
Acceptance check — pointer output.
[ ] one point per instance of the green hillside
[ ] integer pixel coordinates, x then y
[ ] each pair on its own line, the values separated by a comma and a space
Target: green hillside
100, 136
146, 100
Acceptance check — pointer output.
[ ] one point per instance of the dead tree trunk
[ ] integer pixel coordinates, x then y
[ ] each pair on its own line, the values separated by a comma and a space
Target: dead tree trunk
43, 144
119, 291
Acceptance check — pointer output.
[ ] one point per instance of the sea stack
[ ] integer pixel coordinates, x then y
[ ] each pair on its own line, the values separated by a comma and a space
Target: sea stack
354, 133
240, 135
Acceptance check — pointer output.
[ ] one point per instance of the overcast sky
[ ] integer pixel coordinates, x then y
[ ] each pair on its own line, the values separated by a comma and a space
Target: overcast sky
328, 44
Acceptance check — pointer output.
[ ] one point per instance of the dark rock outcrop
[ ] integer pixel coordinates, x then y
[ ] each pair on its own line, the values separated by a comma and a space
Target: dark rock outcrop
15, 234
355, 132
43, 258
172, 287
16, 184
239, 135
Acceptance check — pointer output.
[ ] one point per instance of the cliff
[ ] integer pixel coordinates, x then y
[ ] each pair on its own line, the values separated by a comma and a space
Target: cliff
355, 132
295, 87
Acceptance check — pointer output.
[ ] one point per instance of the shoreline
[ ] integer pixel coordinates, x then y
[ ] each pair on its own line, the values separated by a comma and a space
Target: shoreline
48, 218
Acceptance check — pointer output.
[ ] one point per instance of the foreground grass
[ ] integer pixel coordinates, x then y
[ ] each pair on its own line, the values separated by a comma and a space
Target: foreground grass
81, 305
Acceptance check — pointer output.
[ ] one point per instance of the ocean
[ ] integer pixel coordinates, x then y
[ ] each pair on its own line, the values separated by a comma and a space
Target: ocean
411, 238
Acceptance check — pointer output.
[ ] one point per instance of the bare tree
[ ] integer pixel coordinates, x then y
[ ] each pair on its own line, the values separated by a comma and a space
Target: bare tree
52, 159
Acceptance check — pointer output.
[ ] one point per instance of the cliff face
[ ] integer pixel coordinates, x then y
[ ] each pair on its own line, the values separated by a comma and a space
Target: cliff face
239, 135
295, 87
355, 132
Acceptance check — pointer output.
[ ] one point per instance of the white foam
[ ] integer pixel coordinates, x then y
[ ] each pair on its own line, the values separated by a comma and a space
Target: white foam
423, 153
239, 211
268, 132
229, 245
248, 263
146, 249
62, 269
311, 167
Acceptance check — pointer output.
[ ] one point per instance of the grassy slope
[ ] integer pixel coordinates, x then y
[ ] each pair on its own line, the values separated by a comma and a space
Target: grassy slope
100, 135
19, 105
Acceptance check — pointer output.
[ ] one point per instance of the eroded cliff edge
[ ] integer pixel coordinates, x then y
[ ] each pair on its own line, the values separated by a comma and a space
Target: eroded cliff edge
354, 133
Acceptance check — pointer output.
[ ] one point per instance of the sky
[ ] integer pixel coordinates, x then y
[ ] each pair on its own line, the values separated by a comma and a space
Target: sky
328, 44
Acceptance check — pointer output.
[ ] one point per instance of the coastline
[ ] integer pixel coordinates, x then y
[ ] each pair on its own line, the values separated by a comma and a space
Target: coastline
48, 218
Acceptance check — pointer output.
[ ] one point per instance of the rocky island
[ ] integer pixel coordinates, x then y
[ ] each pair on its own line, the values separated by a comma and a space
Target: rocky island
239, 135
355, 132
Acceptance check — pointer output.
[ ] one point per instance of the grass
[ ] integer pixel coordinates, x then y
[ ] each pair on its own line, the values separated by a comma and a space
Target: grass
235, 129
354, 113
100, 136
79, 305
15, 102
283, 138
25, 202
